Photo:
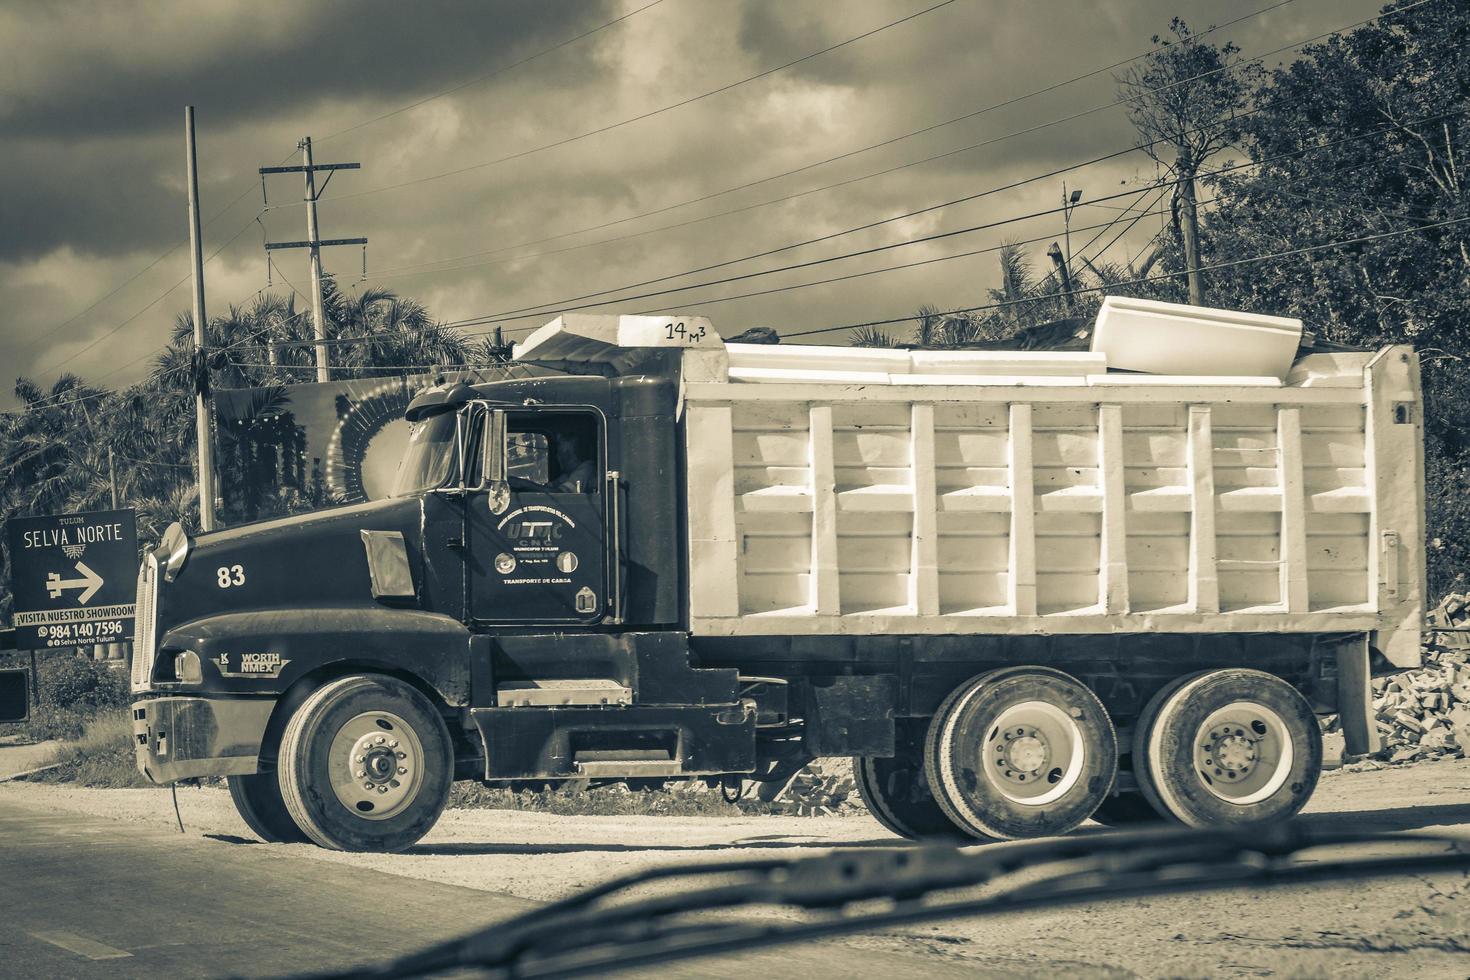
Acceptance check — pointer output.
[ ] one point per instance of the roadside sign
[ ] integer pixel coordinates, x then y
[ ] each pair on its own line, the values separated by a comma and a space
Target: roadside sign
73, 577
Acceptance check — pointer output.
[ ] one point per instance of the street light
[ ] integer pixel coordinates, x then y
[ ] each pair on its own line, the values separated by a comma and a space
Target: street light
1068, 203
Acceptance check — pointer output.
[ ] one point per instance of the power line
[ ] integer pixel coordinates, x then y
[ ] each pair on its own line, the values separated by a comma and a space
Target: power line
563, 307
1114, 240
154, 302
1102, 228
1270, 256
137, 275
649, 114
543, 307
490, 74
1104, 225
1124, 212
558, 306
1000, 305
832, 159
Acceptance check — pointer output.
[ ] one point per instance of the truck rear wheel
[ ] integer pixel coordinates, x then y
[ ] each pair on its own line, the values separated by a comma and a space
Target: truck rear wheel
1021, 752
257, 799
366, 764
1228, 747
896, 792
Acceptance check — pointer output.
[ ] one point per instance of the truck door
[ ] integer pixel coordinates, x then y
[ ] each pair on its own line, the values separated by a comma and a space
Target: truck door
539, 553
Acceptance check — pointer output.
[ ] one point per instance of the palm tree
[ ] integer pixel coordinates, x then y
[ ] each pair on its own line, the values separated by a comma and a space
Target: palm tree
396, 332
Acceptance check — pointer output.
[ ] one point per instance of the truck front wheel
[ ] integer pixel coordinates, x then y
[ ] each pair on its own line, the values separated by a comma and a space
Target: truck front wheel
1228, 747
1021, 752
366, 764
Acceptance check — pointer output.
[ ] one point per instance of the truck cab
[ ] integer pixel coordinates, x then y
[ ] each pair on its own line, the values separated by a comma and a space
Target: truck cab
680, 560
510, 612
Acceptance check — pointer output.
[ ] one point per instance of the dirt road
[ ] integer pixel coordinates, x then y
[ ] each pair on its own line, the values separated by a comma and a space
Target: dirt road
1411, 927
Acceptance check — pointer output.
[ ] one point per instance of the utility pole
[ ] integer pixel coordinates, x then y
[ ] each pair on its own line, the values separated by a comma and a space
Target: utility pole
1064, 274
318, 325
314, 243
112, 477
1184, 166
203, 435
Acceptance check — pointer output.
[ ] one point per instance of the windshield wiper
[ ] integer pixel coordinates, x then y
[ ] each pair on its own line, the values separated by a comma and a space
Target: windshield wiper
603, 928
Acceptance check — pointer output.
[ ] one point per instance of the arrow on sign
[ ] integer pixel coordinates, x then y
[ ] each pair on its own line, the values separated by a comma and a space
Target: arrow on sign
89, 583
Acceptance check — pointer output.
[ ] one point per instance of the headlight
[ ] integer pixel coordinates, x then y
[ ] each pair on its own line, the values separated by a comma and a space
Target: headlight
186, 667
173, 551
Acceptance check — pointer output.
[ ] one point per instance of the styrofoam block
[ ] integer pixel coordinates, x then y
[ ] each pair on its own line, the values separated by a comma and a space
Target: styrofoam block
1177, 380
1171, 338
1008, 362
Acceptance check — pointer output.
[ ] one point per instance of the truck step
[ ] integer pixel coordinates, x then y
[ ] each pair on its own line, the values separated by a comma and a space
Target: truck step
552, 693
638, 768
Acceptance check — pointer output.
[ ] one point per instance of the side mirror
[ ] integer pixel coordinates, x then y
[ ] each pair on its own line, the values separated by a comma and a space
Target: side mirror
496, 447
495, 462
461, 448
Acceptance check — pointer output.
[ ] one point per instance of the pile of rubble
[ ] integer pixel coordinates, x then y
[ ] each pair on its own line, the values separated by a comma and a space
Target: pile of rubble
820, 789
1425, 713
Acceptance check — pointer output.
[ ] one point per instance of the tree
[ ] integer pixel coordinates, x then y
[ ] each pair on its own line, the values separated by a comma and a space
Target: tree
1186, 100
68, 445
1367, 134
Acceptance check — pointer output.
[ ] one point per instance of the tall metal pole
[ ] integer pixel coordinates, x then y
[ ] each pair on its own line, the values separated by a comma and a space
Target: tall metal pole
203, 435
1067, 226
318, 326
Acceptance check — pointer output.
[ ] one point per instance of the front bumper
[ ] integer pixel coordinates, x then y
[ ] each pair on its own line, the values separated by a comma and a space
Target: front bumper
184, 737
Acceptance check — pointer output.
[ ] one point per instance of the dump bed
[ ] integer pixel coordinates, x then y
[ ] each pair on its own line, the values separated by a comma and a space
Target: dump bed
847, 491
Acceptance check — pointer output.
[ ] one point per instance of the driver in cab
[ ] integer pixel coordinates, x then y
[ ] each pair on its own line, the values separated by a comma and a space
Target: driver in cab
575, 472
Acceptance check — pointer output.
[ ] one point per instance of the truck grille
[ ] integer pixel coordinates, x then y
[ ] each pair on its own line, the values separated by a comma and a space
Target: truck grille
145, 642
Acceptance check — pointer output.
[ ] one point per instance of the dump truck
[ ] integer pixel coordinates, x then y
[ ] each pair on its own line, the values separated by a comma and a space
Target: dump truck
1020, 589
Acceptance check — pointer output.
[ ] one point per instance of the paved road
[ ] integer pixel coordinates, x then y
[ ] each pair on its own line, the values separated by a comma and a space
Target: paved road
89, 897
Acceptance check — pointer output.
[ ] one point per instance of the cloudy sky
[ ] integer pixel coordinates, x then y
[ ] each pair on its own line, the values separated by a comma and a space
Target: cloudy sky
464, 209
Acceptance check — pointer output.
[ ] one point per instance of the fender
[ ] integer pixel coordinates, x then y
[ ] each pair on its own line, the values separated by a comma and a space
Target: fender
265, 651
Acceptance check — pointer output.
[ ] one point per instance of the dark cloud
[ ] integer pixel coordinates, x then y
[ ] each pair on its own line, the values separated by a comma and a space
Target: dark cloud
105, 68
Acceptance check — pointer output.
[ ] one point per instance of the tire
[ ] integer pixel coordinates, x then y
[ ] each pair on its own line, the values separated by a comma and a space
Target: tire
1126, 810
1228, 748
895, 789
258, 800
1021, 752
338, 760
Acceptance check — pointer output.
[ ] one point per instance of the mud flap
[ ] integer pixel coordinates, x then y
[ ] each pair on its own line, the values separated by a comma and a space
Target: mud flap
1355, 698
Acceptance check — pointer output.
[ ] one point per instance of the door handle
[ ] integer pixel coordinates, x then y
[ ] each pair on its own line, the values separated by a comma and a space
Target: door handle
615, 558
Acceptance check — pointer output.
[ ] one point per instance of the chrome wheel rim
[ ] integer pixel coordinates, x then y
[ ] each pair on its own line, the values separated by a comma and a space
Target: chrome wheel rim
376, 764
1034, 753
1243, 753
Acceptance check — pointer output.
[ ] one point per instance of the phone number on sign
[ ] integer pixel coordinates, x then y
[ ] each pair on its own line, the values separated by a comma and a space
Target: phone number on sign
64, 634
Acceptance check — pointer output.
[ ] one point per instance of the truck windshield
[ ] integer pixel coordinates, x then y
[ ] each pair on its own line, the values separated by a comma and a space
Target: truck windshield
429, 455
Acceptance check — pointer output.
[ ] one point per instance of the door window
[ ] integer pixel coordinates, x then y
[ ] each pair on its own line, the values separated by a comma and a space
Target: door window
554, 452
